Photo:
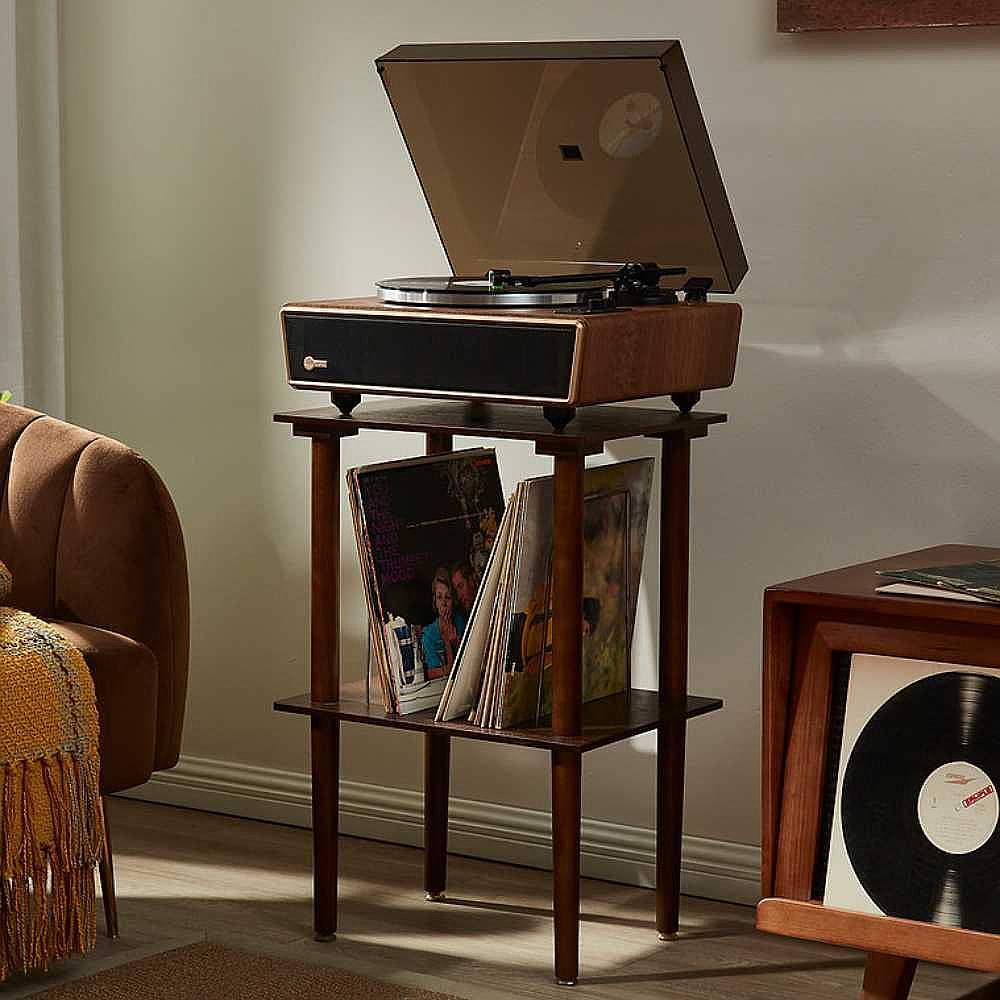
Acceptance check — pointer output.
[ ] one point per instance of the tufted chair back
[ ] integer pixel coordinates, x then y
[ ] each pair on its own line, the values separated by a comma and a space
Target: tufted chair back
92, 536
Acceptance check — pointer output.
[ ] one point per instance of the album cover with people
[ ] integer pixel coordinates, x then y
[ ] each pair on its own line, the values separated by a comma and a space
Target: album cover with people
425, 528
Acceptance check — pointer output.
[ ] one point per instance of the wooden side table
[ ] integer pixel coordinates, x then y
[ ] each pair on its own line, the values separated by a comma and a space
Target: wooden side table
807, 622
575, 728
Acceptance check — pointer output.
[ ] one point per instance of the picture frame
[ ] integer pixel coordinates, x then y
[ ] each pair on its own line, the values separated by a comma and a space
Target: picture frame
843, 15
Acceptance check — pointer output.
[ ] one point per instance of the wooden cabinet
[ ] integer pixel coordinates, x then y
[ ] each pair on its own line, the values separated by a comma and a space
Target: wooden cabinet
807, 623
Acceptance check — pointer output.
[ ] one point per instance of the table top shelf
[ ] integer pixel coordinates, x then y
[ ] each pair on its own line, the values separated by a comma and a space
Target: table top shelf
604, 722
588, 431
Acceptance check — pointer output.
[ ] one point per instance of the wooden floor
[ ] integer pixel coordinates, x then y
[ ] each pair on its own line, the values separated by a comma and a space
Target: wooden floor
186, 876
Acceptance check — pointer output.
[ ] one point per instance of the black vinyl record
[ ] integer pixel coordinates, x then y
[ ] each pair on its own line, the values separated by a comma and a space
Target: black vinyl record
918, 805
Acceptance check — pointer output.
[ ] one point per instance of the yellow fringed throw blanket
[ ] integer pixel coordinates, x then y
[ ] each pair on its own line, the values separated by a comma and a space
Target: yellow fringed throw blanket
51, 822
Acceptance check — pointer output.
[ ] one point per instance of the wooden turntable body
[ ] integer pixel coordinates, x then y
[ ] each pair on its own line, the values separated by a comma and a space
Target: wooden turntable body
556, 358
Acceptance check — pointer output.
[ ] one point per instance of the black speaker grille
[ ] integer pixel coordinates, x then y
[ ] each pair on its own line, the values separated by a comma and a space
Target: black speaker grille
513, 359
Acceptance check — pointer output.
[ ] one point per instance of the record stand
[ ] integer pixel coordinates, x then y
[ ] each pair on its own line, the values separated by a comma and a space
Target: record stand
807, 624
575, 728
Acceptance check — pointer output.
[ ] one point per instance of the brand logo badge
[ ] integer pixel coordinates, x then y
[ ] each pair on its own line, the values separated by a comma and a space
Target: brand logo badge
309, 363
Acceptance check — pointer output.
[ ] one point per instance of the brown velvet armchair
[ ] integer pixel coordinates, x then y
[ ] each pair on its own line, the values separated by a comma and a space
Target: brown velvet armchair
92, 538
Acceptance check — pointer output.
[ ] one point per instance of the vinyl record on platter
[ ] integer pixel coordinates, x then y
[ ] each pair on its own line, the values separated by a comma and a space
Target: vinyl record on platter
919, 805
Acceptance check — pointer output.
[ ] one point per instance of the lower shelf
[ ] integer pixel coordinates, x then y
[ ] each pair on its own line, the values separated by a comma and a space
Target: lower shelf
812, 921
606, 721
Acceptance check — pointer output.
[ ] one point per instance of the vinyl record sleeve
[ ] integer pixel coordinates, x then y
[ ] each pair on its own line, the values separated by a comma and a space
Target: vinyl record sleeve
423, 527
915, 832
462, 687
501, 679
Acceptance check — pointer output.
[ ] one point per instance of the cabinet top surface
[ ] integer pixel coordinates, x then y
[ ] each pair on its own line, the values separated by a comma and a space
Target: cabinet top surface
854, 586
591, 425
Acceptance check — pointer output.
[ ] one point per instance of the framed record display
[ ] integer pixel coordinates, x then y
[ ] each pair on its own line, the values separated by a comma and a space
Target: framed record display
916, 826
838, 739
812, 15
881, 753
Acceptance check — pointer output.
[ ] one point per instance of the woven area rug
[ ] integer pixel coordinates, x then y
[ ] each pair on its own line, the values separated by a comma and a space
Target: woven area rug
211, 972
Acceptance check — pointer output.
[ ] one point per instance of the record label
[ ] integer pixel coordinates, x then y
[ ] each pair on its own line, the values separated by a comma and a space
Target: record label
957, 808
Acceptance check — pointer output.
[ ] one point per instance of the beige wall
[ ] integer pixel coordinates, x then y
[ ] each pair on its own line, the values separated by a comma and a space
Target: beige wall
223, 157
31, 339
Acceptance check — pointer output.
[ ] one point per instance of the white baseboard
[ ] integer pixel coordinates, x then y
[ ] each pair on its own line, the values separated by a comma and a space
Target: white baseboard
714, 869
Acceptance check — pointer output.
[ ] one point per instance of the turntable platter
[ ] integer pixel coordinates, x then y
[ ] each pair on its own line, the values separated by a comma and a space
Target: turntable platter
465, 292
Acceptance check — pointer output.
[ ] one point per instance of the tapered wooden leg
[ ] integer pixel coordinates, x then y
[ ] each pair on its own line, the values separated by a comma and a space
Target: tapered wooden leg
670, 741
567, 714
673, 673
888, 977
325, 804
566, 788
437, 764
325, 680
106, 868
437, 770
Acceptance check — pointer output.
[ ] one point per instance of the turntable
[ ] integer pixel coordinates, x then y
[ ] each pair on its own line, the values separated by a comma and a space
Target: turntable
581, 209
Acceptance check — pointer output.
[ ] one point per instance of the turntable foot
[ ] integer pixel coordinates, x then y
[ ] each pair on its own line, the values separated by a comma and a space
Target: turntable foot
685, 401
559, 416
345, 401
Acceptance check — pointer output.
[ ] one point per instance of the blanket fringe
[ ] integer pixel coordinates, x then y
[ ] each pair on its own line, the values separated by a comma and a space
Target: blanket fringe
51, 839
